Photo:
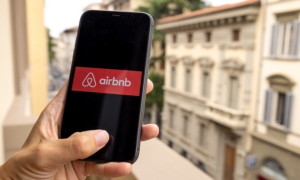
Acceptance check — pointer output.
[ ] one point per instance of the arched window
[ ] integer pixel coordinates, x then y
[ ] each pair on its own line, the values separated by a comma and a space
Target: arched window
272, 168
278, 104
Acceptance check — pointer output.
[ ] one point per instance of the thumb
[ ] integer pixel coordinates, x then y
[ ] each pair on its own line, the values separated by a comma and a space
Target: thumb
80, 145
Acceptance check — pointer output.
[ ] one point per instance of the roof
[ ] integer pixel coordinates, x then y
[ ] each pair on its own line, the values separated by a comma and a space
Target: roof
73, 29
207, 11
158, 161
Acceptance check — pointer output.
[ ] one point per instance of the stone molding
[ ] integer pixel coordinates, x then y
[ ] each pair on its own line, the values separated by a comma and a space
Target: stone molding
281, 83
237, 45
173, 59
207, 45
232, 65
189, 45
188, 60
206, 63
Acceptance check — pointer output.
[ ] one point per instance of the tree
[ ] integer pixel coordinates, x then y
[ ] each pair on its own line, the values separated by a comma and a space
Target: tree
51, 44
156, 95
162, 8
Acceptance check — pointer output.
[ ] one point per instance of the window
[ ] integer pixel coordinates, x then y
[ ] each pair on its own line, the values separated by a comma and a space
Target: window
279, 102
208, 36
174, 38
173, 77
188, 79
190, 37
185, 126
162, 65
285, 40
236, 35
201, 165
183, 153
171, 120
233, 92
205, 84
202, 135
162, 45
273, 168
170, 144
280, 108
147, 118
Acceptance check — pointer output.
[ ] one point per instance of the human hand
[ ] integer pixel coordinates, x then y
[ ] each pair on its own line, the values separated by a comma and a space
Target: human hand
44, 156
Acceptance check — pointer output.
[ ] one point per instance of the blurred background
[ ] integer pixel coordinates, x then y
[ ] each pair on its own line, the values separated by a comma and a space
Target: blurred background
226, 76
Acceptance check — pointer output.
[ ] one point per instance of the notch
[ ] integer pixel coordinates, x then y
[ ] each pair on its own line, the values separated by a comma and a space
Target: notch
116, 15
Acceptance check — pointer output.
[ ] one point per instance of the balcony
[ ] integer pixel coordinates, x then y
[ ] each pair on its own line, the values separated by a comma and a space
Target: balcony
231, 118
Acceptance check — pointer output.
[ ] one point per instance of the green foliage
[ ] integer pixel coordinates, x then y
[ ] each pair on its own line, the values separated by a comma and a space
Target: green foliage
156, 95
163, 8
51, 44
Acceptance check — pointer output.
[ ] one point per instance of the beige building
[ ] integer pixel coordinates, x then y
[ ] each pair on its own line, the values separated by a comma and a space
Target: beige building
275, 153
64, 49
23, 71
211, 76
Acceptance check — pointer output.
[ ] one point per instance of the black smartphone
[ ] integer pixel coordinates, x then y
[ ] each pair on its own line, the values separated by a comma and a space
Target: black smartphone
108, 80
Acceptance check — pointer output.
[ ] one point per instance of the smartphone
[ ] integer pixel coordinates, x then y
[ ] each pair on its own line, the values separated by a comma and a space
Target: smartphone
107, 83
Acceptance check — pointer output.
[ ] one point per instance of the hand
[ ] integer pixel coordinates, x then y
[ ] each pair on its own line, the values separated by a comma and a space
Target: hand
44, 156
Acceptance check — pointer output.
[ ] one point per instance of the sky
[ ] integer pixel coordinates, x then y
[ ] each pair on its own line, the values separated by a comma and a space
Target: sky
63, 14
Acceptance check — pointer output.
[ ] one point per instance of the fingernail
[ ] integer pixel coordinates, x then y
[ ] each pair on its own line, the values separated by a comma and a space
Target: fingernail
101, 138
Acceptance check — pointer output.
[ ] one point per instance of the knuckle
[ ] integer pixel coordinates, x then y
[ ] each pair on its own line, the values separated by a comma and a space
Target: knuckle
40, 152
81, 146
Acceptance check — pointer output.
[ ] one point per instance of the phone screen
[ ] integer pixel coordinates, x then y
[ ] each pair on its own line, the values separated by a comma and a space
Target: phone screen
106, 81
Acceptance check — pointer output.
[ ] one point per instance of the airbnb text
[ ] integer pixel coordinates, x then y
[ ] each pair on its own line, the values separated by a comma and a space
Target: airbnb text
109, 81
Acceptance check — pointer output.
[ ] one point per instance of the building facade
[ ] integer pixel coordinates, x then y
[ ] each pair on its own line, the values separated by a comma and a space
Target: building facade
275, 150
23, 71
212, 62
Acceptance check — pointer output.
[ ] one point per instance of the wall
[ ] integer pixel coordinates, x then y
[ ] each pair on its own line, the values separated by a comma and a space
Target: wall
37, 55
285, 67
7, 89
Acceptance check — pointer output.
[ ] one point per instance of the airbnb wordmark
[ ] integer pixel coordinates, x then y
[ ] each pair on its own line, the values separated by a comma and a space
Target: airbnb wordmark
109, 81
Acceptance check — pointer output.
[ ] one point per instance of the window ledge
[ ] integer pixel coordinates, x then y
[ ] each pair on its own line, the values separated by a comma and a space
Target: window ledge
190, 45
207, 45
282, 59
185, 140
170, 131
201, 149
278, 128
174, 46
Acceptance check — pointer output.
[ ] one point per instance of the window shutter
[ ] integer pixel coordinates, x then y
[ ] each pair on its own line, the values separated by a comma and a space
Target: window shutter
288, 110
295, 41
280, 40
268, 106
274, 38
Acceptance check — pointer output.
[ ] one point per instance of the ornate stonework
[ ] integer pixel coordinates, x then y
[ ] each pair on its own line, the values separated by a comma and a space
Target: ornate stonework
188, 60
173, 59
233, 66
206, 63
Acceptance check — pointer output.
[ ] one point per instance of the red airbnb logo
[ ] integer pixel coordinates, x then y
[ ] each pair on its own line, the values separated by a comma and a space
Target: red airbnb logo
109, 81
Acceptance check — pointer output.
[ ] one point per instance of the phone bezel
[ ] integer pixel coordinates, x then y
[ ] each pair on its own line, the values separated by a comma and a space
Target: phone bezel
143, 95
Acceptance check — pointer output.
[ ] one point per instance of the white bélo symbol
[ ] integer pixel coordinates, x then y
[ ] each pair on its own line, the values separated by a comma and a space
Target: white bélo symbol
89, 80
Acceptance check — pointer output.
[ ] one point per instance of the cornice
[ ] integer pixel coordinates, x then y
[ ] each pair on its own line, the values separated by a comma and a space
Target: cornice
242, 15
